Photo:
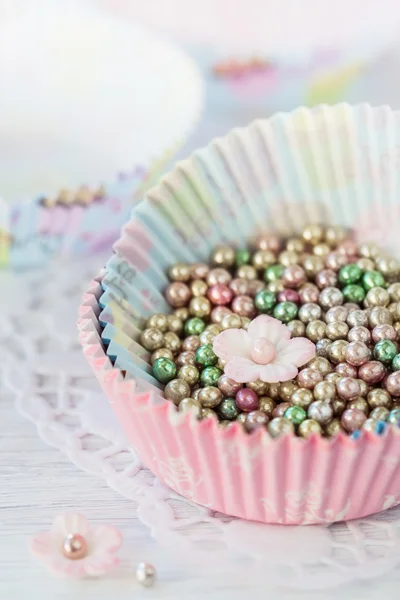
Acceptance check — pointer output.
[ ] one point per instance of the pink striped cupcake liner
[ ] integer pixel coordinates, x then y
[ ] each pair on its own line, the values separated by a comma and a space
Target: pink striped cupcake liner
330, 164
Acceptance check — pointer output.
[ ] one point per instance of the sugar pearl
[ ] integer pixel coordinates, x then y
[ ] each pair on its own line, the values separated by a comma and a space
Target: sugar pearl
383, 332
179, 272
256, 420
152, 339
296, 328
247, 400
176, 390
263, 258
280, 409
268, 241
380, 412
336, 313
353, 419
309, 312
267, 405
321, 364
372, 372
246, 272
172, 341
199, 271
337, 351
218, 275
219, 312
308, 293
309, 427
259, 387
322, 347
315, 330
337, 330
302, 397
357, 318
357, 353
330, 296
185, 358
210, 396
359, 334
223, 256
178, 294
320, 411
198, 287
191, 343
308, 378
333, 428
161, 353
326, 278
393, 383
348, 388
346, 370
243, 306
294, 276
231, 321
360, 404
158, 321
324, 391
228, 386
190, 405
280, 426
220, 294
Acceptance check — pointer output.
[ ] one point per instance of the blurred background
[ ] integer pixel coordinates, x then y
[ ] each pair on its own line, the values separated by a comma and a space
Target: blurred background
98, 97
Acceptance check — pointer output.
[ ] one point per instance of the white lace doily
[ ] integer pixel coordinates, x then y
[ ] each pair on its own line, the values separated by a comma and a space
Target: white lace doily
41, 363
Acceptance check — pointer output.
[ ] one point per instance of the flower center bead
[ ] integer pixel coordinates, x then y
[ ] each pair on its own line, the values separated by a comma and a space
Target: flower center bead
262, 351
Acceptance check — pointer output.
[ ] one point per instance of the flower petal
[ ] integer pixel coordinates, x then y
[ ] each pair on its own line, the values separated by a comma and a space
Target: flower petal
242, 369
97, 565
268, 327
70, 523
63, 567
298, 351
277, 372
45, 544
230, 343
104, 539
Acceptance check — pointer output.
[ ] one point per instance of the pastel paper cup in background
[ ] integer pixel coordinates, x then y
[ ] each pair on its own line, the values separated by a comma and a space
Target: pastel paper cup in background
337, 165
82, 130
276, 54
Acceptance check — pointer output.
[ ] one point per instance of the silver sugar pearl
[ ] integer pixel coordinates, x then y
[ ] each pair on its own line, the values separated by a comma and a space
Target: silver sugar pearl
145, 574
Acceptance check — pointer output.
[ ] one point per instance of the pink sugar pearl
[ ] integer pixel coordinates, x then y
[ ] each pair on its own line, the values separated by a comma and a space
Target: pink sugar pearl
392, 383
240, 286
326, 278
244, 306
308, 378
219, 294
372, 372
348, 388
353, 419
349, 248
346, 370
280, 410
288, 296
219, 312
357, 353
309, 293
335, 260
294, 276
384, 332
247, 400
228, 386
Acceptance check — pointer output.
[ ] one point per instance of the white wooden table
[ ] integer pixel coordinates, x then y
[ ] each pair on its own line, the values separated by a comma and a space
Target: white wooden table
37, 483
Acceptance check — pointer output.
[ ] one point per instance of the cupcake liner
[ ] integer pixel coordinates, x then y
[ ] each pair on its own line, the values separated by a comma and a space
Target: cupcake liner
287, 55
97, 139
332, 164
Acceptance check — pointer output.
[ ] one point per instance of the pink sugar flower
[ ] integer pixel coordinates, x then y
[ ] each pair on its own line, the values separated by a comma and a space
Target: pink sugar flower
74, 549
265, 351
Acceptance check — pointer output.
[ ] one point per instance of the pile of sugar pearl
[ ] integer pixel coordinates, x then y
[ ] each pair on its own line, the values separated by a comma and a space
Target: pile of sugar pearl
343, 296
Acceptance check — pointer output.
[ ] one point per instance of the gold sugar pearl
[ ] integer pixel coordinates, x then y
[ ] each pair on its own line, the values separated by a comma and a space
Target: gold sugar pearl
189, 373
221, 364
388, 266
379, 397
232, 321
172, 341
334, 234
161, 353
190, 405
366, 264
315, 330
295, 245
174, 324
321, 250
394, 292
313, 234
176, 390
245, 322
195, 393
325, 390
360, 404
267, 405
207, 337
276, 286
333, 428
210, 396
223, 256
333, 377
259, 387
182, 313
208, 413
246, 272
337, 351
380, 413
368, 250
200, 307
297, 328
309, 427
337, 330
219, 275
377, 296
273, 391
152, 339
338, 406
198, 287
158, 321
313, 265
287, 389
179, 272
263, 259
302, 397
287, 258
321, 364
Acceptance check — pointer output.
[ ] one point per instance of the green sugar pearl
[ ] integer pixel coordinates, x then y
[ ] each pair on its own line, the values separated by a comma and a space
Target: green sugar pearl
206, 356
295, 414
385, 351
285, 311
265, 301
350, 274
210, 376
228, 409
242, 257
164, 369
273, 272
353, 293
194, 326
372, 279
396, 363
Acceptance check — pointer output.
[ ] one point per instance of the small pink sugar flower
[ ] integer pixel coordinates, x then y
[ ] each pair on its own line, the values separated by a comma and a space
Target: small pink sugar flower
265, 351
74, 549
